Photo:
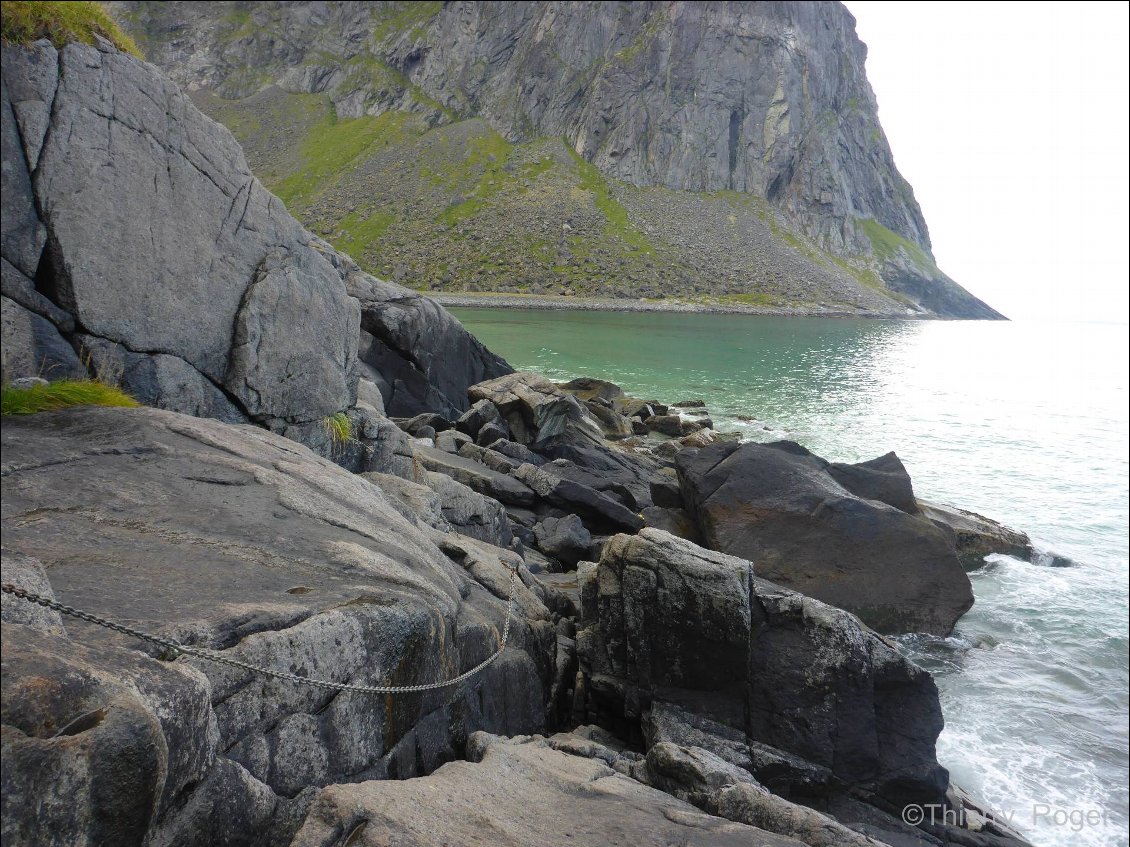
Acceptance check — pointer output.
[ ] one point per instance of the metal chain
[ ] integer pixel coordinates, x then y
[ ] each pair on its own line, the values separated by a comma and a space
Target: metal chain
211, 656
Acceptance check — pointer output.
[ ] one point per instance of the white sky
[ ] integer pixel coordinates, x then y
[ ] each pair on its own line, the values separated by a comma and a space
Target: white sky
1010, 121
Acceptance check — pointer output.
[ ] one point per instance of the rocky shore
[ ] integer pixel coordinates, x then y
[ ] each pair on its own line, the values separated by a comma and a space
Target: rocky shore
551, 302
330, 483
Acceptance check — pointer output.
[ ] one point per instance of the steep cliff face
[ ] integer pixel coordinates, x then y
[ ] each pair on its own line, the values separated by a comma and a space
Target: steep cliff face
768, 101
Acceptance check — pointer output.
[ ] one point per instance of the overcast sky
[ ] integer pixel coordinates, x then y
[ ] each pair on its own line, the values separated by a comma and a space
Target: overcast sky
1010, 121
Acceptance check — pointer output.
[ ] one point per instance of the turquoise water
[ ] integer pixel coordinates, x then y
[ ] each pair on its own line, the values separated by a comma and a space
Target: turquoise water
1026, 423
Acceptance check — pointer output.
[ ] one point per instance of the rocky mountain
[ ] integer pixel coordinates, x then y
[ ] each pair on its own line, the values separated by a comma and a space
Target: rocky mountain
717, 152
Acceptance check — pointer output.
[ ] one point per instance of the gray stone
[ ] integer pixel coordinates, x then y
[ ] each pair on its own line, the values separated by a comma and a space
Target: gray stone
158, 380
590, 504
884, 479
22, 234
539, 413
32, 346
779, 505
505, 489
27, 573
421, 344
451, 441
238, 540
974, 536
786, 670
470, 513
675, 521
19, 288
486, 456
665, 490
478, 416
519, 793
520, 453
564, 539
490, 433
369, 394
31, 76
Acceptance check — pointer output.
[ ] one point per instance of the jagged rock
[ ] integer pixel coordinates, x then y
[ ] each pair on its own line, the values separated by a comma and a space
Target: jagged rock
436, 423
503, 488
241, 541
690, 404
433, 348
718, 787
784, 774
778, 505
538, 412
620, 474
884, 479
519, 452
452, 441
159, 380
33, 346
486, 456
564, 539
470, 513
975, 536
490, 433
575, 497
786, 670
478, 416
577, 799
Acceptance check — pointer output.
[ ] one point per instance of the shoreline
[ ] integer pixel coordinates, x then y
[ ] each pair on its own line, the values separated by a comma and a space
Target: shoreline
559, 303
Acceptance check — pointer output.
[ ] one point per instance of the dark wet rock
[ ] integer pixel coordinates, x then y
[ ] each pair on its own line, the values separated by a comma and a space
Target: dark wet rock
665, 489
883, 479
490, 433
778, 505
519, 452
564, 539
675, 521
478, 416
587, 389
590, 504
431, 420
435, 359
786, 670
720, 788
975, 536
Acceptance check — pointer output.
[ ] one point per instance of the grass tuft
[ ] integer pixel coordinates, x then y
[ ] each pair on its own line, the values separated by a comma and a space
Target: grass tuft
23, 22
62, 395
339, 427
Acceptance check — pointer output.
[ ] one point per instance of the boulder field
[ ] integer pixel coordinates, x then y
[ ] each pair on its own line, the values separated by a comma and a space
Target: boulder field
330, 479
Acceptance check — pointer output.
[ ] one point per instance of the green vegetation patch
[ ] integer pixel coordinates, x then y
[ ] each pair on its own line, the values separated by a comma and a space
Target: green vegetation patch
339, 427
619, 224
333, 147
61, 395
886, 243
61, 22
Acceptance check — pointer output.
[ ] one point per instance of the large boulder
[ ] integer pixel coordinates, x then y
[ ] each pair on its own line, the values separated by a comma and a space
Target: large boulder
426, 357
785, 670
539, 413
976, 536
518, 792
158, 238
235, 539
781, 507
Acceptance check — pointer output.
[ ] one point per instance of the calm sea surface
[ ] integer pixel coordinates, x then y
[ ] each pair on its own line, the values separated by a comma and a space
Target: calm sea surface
1025, 423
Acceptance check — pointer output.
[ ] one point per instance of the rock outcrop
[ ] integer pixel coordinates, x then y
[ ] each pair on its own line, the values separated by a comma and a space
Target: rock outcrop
213, 301
578, 147
812, 527
655, 605
240, 541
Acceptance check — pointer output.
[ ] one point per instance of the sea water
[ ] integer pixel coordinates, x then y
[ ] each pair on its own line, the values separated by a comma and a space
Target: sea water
1024, 423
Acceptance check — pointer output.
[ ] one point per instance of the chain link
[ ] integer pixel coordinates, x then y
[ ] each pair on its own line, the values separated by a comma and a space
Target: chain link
177, 648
